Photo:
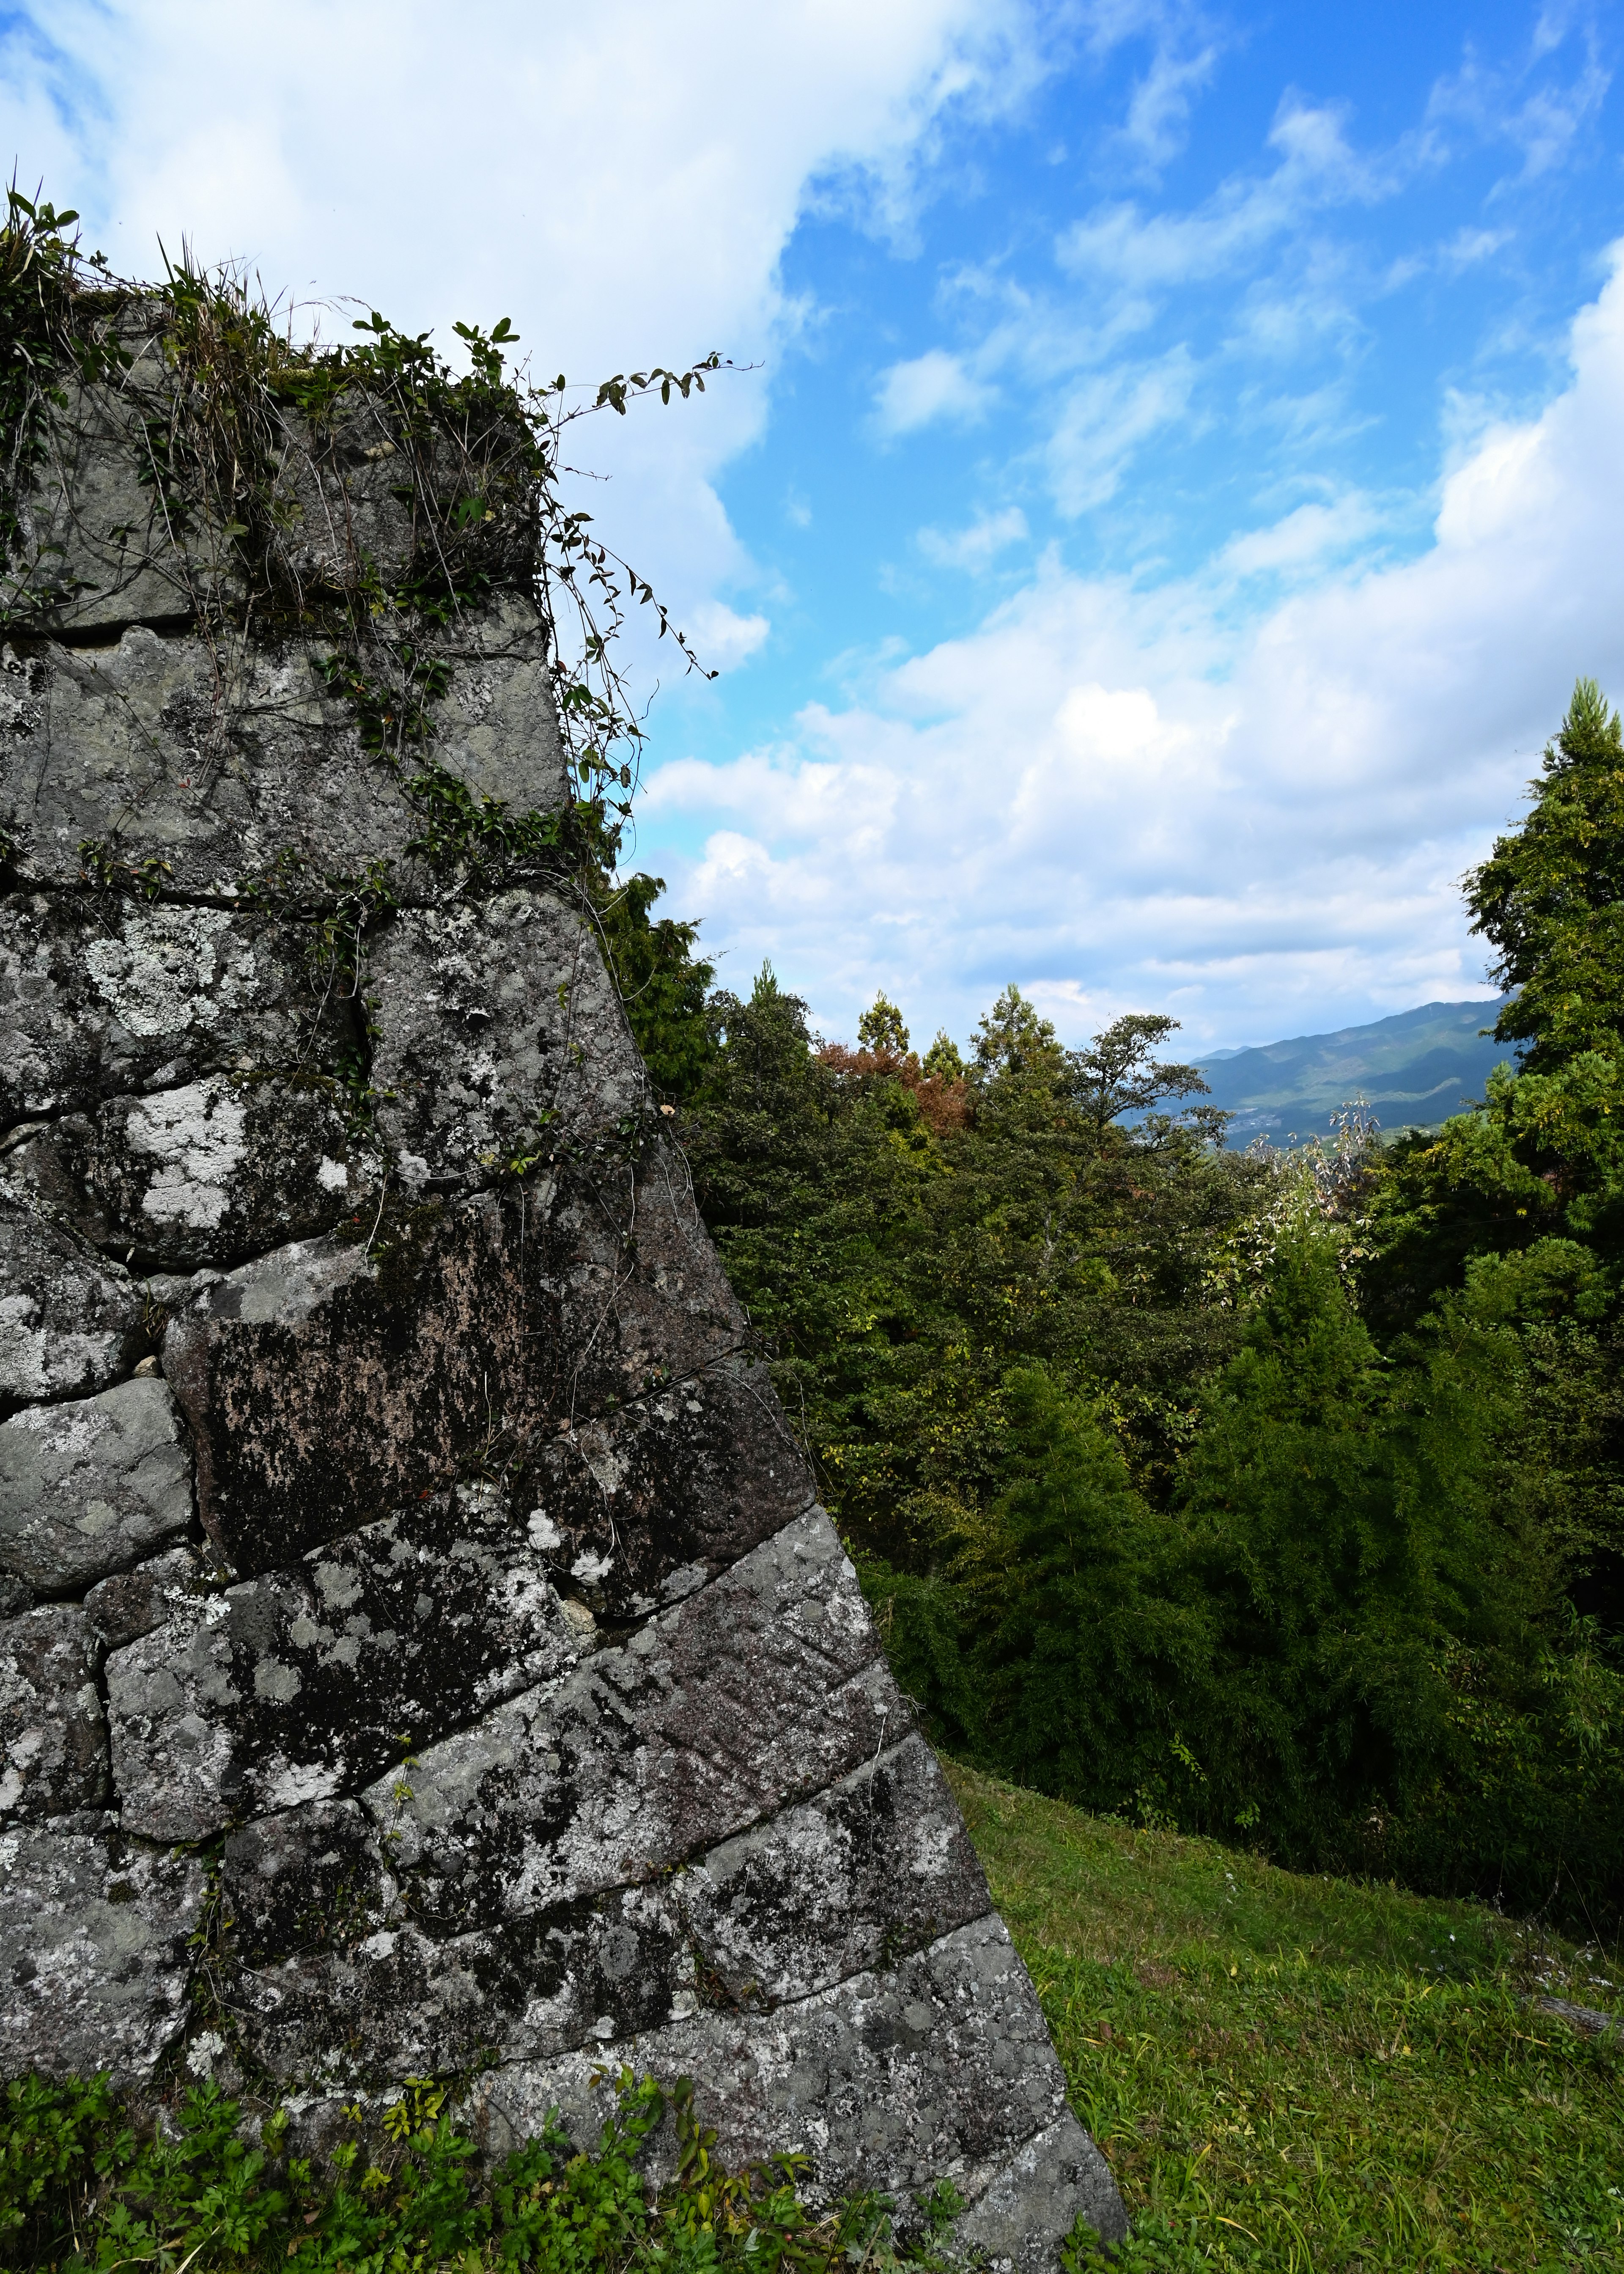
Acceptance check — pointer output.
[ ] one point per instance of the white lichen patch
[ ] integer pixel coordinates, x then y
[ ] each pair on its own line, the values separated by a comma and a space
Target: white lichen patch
197, 1137
157, 974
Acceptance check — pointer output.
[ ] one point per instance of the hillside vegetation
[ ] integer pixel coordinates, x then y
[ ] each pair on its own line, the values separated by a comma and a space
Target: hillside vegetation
1411, 1071
1271, 1495
1306, 2074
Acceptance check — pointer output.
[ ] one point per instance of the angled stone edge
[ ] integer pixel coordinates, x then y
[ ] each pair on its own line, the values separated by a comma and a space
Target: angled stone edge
338, 1986
1027, 2209
938, 2068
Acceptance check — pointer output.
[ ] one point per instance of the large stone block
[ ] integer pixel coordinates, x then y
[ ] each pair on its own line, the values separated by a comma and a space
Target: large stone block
500, 1035
329, 1380
98, 520
68, 1323
301, 1684
94, 1954
939, 2068
53, 1737
92, 1487
763, 1687
217, 763
201, 1177
102, 997
339, 1982
132, 1603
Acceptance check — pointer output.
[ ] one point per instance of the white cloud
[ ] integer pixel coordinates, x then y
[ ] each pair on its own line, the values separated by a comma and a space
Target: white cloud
1538, 117
1104, 419
932, 386
1316, 166
1302, 538
721, 637
1116, 795
978, 547
620, 180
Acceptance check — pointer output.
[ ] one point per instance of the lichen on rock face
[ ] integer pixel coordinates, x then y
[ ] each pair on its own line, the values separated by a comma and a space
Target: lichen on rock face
95, 1929
91, 1487
150, 996
300, 1684
53, 1735
68, 1324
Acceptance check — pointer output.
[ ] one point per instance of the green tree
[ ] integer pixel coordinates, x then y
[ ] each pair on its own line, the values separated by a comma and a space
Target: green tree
1550, 897
881, 1028
663, 983
1013, 1042
1116, 1074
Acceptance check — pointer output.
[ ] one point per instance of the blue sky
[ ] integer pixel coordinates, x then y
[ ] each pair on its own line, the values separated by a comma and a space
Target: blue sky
1177, 485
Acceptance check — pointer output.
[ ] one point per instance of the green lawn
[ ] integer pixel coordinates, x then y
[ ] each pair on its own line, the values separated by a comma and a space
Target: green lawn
1311, 2074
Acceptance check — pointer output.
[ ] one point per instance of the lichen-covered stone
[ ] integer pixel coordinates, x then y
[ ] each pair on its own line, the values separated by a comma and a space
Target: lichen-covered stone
500, 1036
939, 2068
93, 1956
132, 1603
877, 1866
184, 1180
217, 764
93, 1486
53, 1737
68, 1323
1035, 2199
102, 996
329, 1380
100, 529
764, 1686
337, 1985
300, 1684
339, 1981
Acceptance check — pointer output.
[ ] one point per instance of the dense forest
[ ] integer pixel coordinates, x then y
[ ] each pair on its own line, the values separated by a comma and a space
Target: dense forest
1274, 1496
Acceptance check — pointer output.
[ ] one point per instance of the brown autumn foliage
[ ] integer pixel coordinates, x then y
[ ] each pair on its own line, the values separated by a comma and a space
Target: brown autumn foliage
943, 1106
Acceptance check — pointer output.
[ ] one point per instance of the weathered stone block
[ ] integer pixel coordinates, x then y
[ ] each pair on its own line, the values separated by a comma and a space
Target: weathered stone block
93, 1956
876, 1866
102, 997
68, 1323
101, 529
766, 1685
500, 1035
168, 749
131, 1604
184, 1179
939, 2068
52, 1738
301, 1684
340, 1982
92, 1487
1032, 2202
328, 1381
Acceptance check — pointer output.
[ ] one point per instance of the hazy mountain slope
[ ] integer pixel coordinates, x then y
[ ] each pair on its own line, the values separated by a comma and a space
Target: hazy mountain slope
1414, 1069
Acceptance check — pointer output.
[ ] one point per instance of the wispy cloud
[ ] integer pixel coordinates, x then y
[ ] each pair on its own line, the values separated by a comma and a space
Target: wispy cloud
936, 385
1304, 539
1120, 244
978, 547
1105, 420
1527, 101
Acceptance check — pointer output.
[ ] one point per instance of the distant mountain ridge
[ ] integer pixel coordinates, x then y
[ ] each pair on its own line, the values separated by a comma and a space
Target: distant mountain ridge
1412, 1071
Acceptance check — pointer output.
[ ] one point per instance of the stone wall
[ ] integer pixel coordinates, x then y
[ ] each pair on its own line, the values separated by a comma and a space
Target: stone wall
421, 1651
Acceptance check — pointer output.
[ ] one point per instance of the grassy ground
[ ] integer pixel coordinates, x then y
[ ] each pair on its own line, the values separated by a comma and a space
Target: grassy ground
1308, 2074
